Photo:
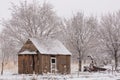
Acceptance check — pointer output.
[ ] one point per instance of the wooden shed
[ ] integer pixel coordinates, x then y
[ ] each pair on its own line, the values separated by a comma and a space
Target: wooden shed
43, 56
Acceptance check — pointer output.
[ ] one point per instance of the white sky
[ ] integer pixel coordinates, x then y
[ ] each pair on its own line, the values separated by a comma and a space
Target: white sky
66, 8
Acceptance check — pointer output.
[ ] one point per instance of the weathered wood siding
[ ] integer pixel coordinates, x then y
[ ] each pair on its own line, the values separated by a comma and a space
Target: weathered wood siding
20, 67
42, 64
63, 64
26, 64
68, 62
45, 63
28, 46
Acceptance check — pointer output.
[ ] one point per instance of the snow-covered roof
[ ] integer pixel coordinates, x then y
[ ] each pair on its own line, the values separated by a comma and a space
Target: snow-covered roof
50, 46
28, 52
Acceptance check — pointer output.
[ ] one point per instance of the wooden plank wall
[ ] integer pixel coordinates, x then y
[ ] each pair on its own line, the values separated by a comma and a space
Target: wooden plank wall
42, 64
30, 64
63, 64
68, 62
37, 62
20, 67
45, 63
25, 64
28, 46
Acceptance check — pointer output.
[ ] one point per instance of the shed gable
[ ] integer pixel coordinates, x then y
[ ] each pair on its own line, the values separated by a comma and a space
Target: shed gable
28, 46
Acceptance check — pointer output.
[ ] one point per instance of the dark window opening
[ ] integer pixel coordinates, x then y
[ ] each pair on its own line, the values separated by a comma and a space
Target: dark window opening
53, 60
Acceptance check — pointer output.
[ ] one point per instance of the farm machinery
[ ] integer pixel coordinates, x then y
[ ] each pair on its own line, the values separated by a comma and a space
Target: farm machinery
92, 67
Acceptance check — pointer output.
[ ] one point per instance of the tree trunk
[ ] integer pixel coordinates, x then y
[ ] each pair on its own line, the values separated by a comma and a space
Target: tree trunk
2, 68
80, 64
80, 61
116, 61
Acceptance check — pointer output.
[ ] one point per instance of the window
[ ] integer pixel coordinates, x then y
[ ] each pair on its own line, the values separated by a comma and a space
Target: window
53, 60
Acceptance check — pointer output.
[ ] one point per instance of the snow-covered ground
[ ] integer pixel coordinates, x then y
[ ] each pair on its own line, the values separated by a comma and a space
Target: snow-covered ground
11, 74
82, 76
73, 76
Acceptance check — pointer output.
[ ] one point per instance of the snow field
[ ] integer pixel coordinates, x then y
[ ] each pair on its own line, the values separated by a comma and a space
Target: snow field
73, 76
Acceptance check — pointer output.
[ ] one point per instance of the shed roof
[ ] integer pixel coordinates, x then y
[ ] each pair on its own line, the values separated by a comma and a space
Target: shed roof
50, 46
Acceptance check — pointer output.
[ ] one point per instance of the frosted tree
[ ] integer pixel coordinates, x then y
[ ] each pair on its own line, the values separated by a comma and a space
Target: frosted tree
3, 49
30, 20
109, 31
6, 47
80, 35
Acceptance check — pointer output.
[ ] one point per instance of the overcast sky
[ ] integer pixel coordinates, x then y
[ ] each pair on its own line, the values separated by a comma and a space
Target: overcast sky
66, 8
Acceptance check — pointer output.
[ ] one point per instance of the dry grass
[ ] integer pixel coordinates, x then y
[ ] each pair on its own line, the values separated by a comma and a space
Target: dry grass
10, 66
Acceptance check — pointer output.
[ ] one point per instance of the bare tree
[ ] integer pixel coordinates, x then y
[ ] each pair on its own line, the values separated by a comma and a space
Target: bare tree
30, 20
80, 35
6, 48
109, 31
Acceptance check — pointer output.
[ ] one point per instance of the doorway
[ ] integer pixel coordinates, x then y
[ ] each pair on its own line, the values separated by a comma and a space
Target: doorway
53, 64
